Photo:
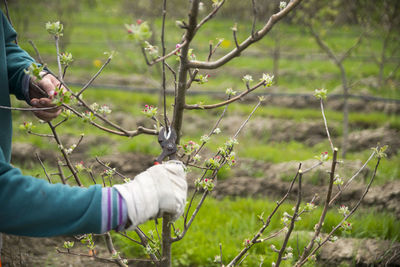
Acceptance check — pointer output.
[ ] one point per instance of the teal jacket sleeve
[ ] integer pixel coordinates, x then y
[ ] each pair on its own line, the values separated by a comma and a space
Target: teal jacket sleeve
17, 60
34, 207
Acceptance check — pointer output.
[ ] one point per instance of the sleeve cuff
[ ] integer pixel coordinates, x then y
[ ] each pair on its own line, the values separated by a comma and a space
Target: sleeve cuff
114, 212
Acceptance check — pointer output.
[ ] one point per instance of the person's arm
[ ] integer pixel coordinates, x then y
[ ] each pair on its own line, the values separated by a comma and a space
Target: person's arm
34, 207
20, 83
17, 60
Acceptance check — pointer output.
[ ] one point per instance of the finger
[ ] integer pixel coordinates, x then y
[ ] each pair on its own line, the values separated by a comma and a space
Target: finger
45, 103
49, 85
47, 116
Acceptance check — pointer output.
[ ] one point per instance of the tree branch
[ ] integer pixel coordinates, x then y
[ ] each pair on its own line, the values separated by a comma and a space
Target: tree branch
231, 100
325, 209
246, 43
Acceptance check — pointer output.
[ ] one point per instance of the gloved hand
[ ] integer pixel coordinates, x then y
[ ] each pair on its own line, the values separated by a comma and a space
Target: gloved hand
158, 190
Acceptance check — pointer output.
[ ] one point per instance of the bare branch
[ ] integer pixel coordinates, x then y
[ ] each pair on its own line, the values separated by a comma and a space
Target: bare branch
173, 52
231, 100
61, 172
111, 249
293, 221
60, 76
302, 260
140, 129
325, 209
93, 256
40, 60
326, 124
234, 31
247, 120
65, 155
256, 237
253, 27
43, 167
109, 168
350, 50
28, 109
352, 178
324, 46
210, 16
94, 77
192, 78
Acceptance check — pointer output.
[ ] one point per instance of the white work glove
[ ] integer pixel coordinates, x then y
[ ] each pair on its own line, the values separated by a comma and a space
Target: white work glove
158, 190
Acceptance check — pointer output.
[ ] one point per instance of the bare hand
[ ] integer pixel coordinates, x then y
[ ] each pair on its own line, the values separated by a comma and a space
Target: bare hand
39, 100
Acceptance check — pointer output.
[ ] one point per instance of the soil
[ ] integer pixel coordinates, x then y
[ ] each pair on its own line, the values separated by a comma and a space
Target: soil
272, 180
27, 251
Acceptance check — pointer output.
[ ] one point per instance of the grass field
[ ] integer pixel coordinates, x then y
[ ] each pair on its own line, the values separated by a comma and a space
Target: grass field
303, 68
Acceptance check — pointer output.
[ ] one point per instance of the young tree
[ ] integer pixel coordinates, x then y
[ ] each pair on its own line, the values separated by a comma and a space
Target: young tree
382, 18
319, 17
189, 70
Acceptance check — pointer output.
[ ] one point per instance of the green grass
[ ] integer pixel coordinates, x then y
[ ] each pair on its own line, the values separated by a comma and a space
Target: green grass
98, 29
230, 221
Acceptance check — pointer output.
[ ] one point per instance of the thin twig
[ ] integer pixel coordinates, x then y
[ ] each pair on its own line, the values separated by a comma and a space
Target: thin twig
173, 52
140, 129
231, 100
210, 15
41, 135
28, 109
114, 253
256, 237
234, 30
253, 27
65, 155
352, 178
302, 261
313, 167
212, 130
271, 236
164, 13
192, 78
215, 171
130, 238
245, 256
60, 122
9, 18
212, 51
247, 120
94, 77
246, 43
43, 167
60, 76
292, 222
326, 124
173, 73
60, 171
114, 170
93, 256
39, 58
325, 209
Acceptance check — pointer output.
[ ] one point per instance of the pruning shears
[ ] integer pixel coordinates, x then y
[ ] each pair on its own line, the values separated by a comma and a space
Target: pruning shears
166, 139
